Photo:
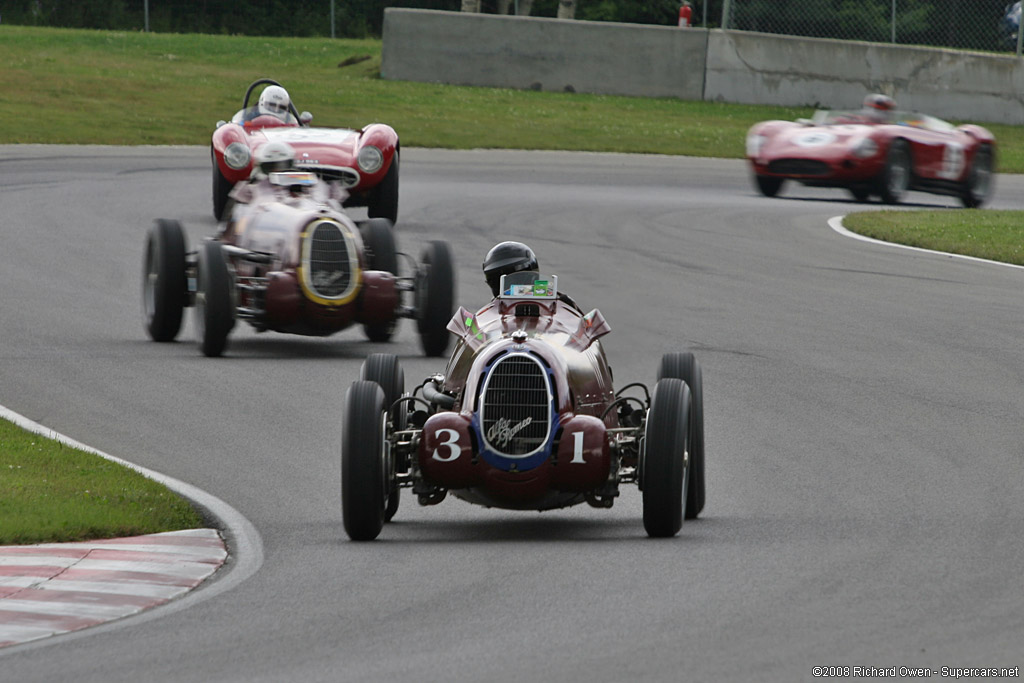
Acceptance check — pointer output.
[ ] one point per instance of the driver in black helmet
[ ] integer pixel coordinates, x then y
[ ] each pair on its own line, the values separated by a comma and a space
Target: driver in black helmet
514, 257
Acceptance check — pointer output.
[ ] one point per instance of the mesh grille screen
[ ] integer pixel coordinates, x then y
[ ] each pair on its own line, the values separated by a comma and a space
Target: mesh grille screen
329, 266
799, 167
516, 407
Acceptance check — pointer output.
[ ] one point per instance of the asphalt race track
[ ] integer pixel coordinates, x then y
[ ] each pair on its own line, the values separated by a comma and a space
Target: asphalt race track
864, 426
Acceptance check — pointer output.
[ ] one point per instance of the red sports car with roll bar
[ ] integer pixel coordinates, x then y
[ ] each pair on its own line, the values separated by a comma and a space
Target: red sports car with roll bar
363, 161
878, 152
525, 417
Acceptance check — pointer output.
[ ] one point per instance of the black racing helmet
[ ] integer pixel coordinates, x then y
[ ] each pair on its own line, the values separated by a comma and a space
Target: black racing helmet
505, 258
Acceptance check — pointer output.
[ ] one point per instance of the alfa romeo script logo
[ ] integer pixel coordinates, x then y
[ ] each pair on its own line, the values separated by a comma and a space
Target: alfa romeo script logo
503, 431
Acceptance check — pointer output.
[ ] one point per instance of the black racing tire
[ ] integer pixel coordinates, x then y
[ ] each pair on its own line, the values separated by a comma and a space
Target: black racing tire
769, 186
979, 184
894, 181
381, 254
221, 187
684, 366
383, 199
385, 370
215, 300
363, 466
164, 283
435, 297
860, 194
379, 241
663, 471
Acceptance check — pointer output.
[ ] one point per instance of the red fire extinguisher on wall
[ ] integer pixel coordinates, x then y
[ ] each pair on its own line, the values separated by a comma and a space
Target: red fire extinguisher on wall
685, 15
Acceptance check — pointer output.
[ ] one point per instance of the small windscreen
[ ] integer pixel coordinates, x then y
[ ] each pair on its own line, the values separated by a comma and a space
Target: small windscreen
292, 178
528, 285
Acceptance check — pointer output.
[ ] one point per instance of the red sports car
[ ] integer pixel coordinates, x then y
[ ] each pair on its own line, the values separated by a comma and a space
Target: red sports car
874, 151
524, 418
364, 162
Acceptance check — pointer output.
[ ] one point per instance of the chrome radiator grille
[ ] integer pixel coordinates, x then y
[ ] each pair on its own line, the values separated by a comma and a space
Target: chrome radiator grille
330, 260
347, 177
515, 412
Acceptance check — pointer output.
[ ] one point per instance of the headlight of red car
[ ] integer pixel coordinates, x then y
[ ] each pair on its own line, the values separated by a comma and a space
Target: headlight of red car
370, 159
237, 155
754, 143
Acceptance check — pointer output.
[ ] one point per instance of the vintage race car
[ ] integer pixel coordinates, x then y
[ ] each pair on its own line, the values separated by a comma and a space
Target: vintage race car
525, 417
289, 259
364, 162
868, 156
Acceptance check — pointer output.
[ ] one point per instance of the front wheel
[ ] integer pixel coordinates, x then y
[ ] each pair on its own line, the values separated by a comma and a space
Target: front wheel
685, 367
164, 285
385, 370
978, 187
381, 254
663, 468
363, 468
383, 200
221, 188
215, 308
435, 297
768, 185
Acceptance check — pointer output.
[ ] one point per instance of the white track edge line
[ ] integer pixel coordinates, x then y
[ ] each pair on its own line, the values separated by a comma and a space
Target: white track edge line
836, 223
244, 539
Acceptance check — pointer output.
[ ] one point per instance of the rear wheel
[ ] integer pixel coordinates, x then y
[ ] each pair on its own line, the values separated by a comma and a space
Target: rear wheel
663, 470
215, 308
164, 286
895, 178
363, 467
383, 200
385, 370
978, 187
379, 241
685, 367
435, 297
768, 185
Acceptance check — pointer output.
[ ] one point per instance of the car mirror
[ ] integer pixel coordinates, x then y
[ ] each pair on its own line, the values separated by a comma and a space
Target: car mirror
592, 326
464, 324
305, 118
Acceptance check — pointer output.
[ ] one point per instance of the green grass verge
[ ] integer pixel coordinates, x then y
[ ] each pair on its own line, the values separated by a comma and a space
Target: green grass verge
50, 492
121, 88
988, 234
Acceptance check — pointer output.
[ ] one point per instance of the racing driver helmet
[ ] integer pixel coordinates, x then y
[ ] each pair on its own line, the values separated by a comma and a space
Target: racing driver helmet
275, 156
274, 101
505, 258
879, 106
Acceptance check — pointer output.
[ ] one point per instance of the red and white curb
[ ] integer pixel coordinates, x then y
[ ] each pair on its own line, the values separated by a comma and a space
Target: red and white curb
55, 588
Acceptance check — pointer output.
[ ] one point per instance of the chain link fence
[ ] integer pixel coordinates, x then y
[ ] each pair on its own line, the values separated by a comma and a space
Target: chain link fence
986, 25
983, 25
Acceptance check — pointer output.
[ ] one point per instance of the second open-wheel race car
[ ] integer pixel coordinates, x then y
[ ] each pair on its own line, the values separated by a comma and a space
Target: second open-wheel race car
363, 161
289, 259
875, 151
525, 417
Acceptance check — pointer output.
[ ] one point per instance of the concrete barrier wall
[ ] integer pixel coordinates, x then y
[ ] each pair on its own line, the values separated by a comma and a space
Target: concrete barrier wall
693, 64
762, 68
543, 54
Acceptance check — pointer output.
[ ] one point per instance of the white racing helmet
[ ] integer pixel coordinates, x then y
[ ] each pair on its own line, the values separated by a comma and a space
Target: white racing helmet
275, 156
274, 101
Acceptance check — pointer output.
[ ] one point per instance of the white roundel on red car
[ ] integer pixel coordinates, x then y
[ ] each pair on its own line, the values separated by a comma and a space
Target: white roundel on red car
817, 138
